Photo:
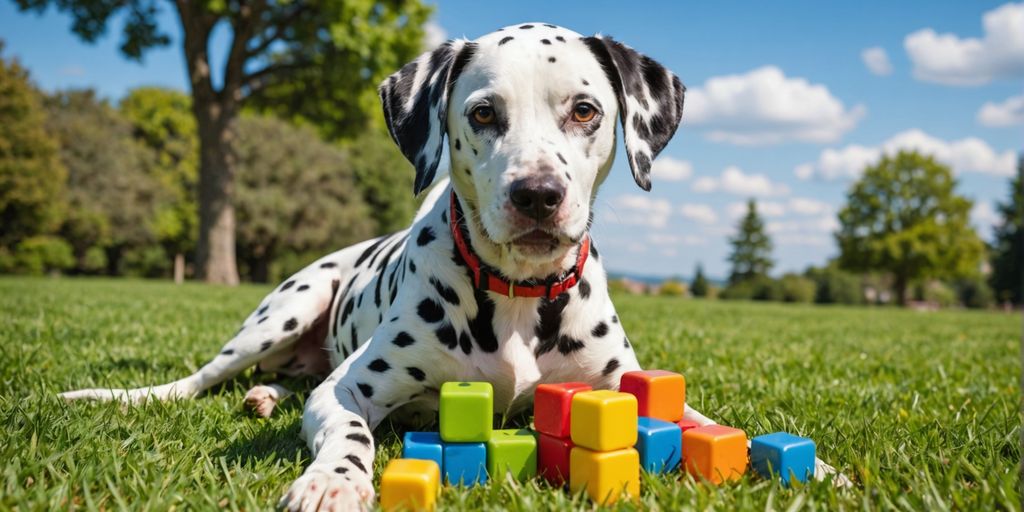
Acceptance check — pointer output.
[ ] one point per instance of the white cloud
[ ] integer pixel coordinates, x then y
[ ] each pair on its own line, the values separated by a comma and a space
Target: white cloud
734, 181
701, 213
671, 240
805, 206
1007, 113
984, 217
669, 169
73, 70
876, 60
805, 232
965, 155
434, 34
764, 106
952, 60
634, 209
799, 206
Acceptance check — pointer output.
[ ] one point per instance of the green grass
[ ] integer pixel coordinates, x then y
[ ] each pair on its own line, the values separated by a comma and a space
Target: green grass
922, 411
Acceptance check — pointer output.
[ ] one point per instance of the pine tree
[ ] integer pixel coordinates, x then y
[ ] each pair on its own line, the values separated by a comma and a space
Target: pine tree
1008, 248
699, 286
751, 248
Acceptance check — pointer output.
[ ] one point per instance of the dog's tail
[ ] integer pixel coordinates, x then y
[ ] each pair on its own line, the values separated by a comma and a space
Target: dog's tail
299, 307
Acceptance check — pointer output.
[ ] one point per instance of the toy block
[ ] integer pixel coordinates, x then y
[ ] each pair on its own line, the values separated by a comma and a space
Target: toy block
553, 459
659, 394
783, 455
552, 404
514, 451
660, 444
605, 475
603, 420
715, 452
466, 411
465, 463
423, 446
685, 425
409, 484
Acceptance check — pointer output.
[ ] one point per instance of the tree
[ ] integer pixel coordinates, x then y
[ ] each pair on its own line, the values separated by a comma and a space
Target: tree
317, 60
384, 177
112, 197
796, 288
295, 193
751, 248
699, 287
1008, 247
32, 194
834, 286
903, 217
162, 120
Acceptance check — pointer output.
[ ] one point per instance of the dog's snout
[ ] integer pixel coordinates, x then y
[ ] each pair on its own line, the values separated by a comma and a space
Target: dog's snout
537, 198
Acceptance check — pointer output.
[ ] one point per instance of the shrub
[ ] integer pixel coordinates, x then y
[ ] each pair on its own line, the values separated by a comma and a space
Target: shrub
41, 254
795, 288
672, 288
754, 288
975, 293
835, 286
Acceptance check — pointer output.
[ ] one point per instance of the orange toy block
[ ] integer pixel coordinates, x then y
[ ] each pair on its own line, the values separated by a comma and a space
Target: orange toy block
409, 484
659, 394
715, 452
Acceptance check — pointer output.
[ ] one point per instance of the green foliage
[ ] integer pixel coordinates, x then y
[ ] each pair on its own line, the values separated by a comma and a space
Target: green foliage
835, 286
38, 255
295, 193
1008, 247
112, 195
796, 288
974, 293
762, 288
751, 248
935, 292
672, 288
31, 176
700, 285
384, 178
904, 217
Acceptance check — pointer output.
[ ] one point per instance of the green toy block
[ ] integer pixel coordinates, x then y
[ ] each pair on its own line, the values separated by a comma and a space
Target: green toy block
514, 451
467, 410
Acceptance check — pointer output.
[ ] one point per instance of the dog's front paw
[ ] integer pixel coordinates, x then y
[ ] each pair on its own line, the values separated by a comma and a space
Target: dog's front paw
823, 471
325, 490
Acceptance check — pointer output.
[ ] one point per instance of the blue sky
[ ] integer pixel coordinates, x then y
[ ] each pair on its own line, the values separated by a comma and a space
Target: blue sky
784, 103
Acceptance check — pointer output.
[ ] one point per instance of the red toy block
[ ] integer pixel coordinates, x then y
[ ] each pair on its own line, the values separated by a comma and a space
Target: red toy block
659, 394
552, 404
553, 459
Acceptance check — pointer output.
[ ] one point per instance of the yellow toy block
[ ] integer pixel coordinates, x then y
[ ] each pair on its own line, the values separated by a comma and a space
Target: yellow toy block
605, 475
603, 420
715, 452
409, 484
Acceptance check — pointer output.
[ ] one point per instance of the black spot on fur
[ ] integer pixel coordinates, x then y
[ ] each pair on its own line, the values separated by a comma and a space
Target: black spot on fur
227, 352
416, 373
475, 152
261, 320
585, 82
584, 288
615, 319
550, 313
341, 470
266, 346
370, 250
359, 438
403, 339
593, 250
412, 267
545, 41
287, 285
365, 389
329, 264
599, 330
568, 177
447, 293
355, 423
425, 237
458, 145
291, 324
551, 59
560, 39
302, 288
356, 462
524, 27
347, 311
505, 40
548, 25
561, 159
446, 335
430, 311
625, 342
465, 343
613, 364
379, 365
444, 217
353, 338
482, 325
568, 345
262, 310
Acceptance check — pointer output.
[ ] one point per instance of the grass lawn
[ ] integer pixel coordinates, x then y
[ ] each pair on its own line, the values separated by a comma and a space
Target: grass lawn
921, 410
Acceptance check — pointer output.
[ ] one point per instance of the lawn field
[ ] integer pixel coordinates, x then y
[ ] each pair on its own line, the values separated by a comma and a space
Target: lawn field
920, 410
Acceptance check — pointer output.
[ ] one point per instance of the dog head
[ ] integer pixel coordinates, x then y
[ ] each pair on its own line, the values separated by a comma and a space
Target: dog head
529, 114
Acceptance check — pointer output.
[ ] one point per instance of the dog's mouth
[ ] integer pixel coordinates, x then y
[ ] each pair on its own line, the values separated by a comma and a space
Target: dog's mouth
537, 239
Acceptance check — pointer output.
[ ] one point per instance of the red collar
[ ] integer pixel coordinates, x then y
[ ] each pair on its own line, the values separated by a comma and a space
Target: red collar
485, 279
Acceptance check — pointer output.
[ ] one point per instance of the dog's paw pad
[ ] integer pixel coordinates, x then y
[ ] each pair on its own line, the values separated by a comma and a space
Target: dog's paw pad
320, 490
261, 400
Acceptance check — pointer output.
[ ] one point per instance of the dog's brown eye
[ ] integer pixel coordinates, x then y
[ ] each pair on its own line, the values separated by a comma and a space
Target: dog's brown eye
483, 115
583, 112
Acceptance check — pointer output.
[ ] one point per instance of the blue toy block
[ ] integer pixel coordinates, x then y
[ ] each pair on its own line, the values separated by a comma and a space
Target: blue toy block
465, 463
660, 444
781, 454
425, 446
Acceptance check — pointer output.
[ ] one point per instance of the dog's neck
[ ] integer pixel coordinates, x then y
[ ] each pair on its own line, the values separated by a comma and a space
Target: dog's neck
501, 258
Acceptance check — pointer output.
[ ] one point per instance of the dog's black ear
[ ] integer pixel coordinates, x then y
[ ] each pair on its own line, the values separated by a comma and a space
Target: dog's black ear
650, 102
415, 101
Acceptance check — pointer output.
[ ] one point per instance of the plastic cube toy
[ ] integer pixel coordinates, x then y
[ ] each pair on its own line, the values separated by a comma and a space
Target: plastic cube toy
465, 463
424, 446
552, 404
514, 451
715, 452
409, 484
466, 411
660, 445
659, 394
603, 420
605, 475
784, 455
553, 459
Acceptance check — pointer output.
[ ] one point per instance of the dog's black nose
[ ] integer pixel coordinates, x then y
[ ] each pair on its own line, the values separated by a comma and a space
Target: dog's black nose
537, 198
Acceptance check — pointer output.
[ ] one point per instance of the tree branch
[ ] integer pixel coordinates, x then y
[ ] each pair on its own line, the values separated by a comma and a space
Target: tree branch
243, 24
278, 30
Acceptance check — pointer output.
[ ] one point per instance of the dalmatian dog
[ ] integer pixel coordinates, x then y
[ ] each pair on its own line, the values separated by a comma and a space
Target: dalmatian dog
496, 280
